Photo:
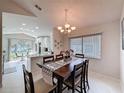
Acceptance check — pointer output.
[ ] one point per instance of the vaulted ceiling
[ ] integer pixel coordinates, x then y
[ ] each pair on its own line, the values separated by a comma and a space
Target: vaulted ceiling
82, 13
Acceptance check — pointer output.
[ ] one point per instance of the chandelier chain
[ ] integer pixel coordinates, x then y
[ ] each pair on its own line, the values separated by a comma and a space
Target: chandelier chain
67, 28
66, 15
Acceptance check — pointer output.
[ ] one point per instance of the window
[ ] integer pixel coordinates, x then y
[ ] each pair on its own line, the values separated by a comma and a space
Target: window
90, 45
76, 45
19, 48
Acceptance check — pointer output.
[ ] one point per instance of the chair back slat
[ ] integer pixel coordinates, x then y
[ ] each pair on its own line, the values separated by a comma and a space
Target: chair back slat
59, 57
28, 80
78, 72
48, 59
79, 55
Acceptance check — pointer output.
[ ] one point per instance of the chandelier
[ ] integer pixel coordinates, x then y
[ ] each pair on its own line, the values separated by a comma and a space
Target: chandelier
67, 28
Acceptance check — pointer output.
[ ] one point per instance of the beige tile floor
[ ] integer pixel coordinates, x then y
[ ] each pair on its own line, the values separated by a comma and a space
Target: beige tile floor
13, 83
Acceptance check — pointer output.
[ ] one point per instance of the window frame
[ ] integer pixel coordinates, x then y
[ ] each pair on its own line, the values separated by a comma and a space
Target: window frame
88, 35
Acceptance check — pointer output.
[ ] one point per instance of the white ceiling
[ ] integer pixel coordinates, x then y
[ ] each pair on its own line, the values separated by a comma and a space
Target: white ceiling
82, 13
13, 23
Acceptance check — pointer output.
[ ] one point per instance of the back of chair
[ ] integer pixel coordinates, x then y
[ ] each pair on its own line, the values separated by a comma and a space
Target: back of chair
48, 59
77, 72
59, 57
28, 80
62, 52
79, 55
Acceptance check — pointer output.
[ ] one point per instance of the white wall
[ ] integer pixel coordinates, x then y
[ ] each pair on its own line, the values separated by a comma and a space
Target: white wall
122, 57
8, 6
109, 63
57, 38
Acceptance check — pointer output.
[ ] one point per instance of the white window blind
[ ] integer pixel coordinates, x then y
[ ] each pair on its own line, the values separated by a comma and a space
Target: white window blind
76, 45
90, 46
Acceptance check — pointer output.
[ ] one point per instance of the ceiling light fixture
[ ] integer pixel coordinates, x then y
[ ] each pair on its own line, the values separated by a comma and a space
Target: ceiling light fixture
67, 28
37, 27
23, 24
32, 30
21, 29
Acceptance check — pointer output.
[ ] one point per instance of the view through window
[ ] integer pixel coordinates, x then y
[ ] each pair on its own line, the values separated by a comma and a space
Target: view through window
19, 48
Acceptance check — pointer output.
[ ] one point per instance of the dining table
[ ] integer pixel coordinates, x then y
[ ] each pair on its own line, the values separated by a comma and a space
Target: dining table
61, 69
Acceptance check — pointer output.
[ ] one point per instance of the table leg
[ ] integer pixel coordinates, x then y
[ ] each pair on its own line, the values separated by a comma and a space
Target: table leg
59, 89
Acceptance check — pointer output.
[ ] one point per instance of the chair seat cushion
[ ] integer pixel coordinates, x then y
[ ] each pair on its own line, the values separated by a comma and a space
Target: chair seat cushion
42, 87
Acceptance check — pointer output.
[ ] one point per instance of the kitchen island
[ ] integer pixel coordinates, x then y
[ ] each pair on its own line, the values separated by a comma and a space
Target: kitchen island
32, 67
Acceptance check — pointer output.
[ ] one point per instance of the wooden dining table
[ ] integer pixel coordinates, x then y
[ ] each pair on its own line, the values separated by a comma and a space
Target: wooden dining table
63, 70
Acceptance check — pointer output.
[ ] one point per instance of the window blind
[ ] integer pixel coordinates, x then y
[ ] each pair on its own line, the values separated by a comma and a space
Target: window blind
90, 45
76, 45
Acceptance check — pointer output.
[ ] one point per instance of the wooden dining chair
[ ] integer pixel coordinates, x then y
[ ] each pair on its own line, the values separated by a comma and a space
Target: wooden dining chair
79, 55
48, 59
76, 79
40, 86
59, 57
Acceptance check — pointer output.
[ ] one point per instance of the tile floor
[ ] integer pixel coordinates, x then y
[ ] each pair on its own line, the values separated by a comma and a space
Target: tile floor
13, 82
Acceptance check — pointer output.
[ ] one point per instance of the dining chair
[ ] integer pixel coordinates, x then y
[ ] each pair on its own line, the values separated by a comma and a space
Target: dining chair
59, 57
86, 69
39, 86
48, 59
79, 55
75, 81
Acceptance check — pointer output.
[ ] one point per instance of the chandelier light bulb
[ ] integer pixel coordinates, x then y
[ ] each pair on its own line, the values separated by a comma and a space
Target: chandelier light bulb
73, 28
59, 28
67, 25
69, 30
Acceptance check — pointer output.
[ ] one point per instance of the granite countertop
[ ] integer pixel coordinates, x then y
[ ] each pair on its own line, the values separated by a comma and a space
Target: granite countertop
39, 55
